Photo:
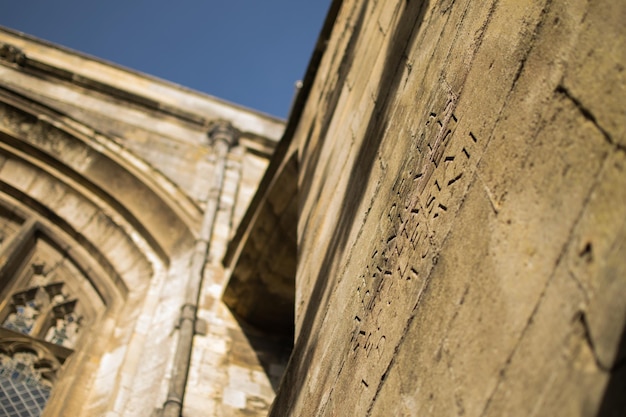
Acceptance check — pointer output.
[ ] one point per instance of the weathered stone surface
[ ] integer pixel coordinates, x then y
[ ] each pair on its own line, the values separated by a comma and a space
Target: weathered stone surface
596, 76
595, 260
450, 203
442, 226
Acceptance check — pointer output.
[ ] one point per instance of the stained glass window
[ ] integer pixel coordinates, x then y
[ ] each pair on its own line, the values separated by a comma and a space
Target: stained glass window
23, 390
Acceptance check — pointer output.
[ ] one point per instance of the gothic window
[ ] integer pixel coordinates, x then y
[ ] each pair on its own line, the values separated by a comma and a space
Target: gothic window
47, 302
26, 308
66, 324
26, 378
45, 312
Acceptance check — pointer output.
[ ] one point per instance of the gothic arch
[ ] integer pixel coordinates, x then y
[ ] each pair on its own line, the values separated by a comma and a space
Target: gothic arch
108, 216
104, 171
109, 175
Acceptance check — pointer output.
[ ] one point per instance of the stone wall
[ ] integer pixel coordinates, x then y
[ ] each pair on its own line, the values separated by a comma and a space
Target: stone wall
462, 204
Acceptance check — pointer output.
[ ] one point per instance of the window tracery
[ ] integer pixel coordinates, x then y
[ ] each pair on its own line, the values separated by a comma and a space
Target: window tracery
45, 312
25, 310
27, 372
47, 300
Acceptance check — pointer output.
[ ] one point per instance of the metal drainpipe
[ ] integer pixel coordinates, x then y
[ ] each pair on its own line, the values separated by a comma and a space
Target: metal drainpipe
223, 136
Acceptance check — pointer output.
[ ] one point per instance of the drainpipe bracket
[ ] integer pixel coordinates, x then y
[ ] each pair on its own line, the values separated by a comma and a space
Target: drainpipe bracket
201, 327
187, 312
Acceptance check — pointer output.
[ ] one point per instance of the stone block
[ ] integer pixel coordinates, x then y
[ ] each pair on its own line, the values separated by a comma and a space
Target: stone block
76, 210
552, 368
18, 174
234, 398
596, 76
595, 260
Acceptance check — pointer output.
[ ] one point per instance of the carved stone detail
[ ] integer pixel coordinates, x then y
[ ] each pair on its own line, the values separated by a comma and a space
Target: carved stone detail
12, 54
431, 184
223, 131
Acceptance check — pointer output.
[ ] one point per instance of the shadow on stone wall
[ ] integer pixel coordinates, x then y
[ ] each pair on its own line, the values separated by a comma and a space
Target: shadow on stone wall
614, 400
304, 349
272, 351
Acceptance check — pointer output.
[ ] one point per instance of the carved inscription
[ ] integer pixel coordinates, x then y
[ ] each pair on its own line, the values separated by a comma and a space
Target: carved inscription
431, 185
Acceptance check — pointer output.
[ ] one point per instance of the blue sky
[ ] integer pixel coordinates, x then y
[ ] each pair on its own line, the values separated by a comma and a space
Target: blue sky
249, 52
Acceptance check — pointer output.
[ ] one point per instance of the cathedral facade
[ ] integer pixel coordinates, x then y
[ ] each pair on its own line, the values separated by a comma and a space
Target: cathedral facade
119, 195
